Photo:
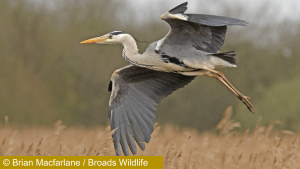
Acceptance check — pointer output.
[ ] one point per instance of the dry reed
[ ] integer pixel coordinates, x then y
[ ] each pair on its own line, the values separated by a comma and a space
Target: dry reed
186, 148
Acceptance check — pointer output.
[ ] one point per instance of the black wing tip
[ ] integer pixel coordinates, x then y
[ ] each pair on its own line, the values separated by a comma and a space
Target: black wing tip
179, 9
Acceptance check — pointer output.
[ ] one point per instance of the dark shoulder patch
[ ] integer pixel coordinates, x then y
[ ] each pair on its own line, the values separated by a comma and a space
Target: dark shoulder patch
174, 60
110, 86
169, 59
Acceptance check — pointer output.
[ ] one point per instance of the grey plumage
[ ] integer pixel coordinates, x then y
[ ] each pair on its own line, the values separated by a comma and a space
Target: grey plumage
138, 91
191, 48
192, 32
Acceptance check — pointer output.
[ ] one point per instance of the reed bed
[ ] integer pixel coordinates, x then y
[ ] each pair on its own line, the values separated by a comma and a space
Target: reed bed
262, 148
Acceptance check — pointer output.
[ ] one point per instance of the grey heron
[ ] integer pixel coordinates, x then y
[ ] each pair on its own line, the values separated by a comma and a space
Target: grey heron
190, 49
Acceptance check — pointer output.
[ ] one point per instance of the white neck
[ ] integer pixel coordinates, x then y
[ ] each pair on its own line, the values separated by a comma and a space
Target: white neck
130, 51
131, 54
130, 45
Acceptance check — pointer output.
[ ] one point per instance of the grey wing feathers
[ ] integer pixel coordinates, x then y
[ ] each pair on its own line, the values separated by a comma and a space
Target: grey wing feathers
136, 91
203, 32
179, 9
212, 20
190, 34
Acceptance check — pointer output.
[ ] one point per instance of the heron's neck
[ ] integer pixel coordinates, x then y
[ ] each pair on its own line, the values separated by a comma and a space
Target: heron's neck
131, 51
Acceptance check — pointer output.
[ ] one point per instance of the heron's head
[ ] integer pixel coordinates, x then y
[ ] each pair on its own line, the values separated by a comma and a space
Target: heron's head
110, 38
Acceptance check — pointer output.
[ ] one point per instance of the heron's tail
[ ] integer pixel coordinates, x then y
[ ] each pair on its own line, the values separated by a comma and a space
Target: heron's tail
226, 56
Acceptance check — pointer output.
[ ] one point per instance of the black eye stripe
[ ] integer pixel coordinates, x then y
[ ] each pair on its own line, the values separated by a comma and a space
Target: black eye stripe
116, 33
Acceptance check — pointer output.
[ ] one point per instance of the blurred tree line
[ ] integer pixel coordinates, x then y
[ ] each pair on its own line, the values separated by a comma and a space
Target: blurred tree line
46, 75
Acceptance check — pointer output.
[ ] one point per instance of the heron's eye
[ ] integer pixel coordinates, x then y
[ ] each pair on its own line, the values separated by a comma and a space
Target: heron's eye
110, 36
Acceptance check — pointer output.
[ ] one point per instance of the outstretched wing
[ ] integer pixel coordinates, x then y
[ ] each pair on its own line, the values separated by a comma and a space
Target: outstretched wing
199, 31
135, 93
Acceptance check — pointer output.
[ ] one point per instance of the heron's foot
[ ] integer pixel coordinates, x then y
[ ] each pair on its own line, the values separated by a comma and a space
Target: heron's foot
248, 98
246, 101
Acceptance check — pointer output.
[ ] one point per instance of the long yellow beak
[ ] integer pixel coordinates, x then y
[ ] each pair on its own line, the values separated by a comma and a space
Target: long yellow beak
94, 40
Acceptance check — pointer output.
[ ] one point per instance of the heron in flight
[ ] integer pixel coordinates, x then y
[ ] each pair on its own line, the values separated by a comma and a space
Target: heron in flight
190, 49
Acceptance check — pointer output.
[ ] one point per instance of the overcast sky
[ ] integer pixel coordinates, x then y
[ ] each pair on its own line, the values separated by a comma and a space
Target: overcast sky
281, 8
256, 12
288, 7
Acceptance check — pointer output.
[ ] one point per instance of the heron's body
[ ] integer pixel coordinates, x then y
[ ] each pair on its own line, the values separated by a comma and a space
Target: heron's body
180, 62
190, 49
